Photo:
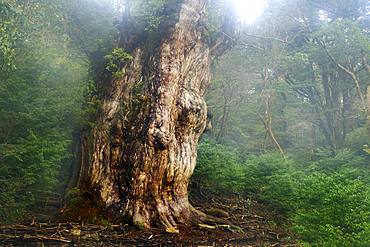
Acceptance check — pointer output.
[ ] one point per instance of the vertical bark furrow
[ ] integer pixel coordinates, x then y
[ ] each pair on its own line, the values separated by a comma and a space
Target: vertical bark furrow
145, 140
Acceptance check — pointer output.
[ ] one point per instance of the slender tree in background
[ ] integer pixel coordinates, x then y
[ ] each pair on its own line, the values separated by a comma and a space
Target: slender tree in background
317, 59
302, 68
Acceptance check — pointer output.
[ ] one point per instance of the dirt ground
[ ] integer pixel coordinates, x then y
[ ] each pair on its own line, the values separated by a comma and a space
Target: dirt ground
255, 227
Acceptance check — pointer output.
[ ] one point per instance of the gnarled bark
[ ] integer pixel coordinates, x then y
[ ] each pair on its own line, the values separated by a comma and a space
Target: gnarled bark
138, 160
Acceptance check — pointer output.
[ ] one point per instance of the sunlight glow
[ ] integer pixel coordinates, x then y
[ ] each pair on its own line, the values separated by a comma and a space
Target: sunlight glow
249, 10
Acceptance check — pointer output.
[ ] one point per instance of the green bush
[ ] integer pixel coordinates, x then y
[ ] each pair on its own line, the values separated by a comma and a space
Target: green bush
332, 210
219, 168
115, 61
343, 160
260, 169
357, 139
327, 201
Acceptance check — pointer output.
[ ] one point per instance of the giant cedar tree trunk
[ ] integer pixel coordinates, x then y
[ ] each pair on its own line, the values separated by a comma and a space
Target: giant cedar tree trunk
138, 159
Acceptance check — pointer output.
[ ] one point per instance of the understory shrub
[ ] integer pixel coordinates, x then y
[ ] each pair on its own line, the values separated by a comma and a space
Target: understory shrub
219, 169
326, 201
331, 210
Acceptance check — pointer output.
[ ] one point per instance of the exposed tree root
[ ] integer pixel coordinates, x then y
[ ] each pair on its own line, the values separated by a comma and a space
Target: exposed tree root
205, 230
203, 220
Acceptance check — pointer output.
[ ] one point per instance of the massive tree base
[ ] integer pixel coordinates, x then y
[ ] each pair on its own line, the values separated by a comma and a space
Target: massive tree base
256, 231
137, 161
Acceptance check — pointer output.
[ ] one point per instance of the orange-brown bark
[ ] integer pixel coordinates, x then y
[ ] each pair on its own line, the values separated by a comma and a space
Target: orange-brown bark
138, 160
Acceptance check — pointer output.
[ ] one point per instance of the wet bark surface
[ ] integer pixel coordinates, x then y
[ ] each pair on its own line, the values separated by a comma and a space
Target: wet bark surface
137, 161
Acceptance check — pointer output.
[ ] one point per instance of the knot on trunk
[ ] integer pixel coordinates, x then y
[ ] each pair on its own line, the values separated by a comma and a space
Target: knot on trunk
161, 138
192, 111
158, 132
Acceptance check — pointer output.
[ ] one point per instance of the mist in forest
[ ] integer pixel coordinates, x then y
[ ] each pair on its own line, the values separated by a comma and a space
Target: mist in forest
107, 106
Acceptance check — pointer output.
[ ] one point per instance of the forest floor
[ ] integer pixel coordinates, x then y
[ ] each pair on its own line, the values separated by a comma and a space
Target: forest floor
256, 221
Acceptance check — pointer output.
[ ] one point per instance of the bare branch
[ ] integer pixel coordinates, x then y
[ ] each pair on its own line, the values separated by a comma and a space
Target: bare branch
348, 72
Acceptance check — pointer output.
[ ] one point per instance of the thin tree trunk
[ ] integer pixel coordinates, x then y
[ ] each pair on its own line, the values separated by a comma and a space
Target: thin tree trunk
269, 126
222, 130
267, 121
350, 73
329, 108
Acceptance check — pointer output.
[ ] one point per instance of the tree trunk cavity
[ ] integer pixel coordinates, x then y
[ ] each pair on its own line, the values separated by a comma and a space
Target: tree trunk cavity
137, 161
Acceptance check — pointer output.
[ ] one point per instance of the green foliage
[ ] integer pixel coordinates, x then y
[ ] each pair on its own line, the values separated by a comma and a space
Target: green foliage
215, 14
9, 33
327, 200
219, 168
115, 61
50, 52
39, 105
13, 203
260, 169
331, 210
358, 139
150, 13
90, 105
314, 102
73, 198
43, 96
